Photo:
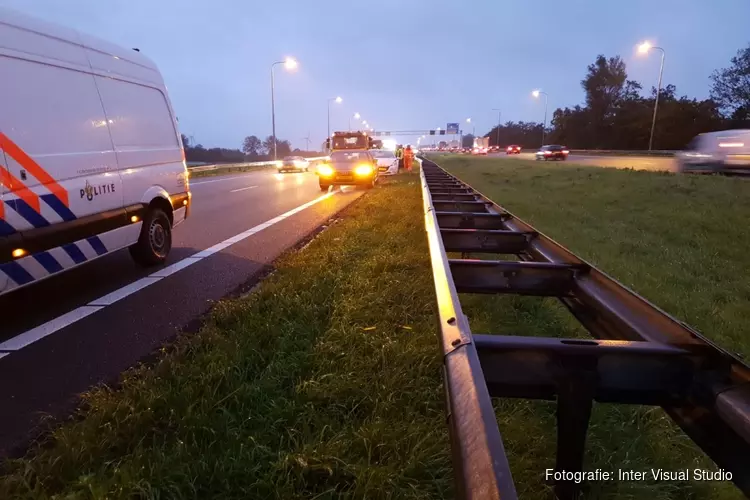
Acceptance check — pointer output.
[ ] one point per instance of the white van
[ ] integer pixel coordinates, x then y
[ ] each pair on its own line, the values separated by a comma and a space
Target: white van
727, 151
91, 160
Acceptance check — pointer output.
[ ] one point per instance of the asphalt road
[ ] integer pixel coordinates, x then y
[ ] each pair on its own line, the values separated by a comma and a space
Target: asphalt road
63, 335
654, 163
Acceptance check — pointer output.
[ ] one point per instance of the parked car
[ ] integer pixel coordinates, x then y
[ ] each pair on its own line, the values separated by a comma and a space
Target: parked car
513, 150
89, 138
294, 164
727, 152
348, 168
387, 161
552, 152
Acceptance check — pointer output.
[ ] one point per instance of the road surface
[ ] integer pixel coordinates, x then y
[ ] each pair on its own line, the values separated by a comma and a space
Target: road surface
63, 335
653, 163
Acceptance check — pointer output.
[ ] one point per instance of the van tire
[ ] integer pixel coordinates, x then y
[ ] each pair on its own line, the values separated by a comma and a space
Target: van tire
155, 240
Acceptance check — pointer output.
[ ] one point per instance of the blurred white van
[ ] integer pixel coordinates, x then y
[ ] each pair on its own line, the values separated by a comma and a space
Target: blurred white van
727, 151
91, 160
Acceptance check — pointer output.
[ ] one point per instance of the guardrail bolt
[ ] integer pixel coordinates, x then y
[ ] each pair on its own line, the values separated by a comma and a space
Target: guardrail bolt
456, 342
452, 321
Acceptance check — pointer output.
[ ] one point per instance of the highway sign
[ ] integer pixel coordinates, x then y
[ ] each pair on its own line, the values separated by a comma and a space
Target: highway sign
452, 128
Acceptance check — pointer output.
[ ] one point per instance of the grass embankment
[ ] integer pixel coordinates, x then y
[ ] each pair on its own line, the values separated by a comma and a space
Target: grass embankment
325, 381
678, 240
681, 241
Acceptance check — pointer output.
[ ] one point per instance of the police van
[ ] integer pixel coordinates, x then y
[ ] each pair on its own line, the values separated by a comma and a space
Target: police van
91, 160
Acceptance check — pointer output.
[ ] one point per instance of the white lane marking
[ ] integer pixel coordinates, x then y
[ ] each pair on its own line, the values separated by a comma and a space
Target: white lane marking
177, 266
198, 183
242, 189
37, 333
48, 328
123, 292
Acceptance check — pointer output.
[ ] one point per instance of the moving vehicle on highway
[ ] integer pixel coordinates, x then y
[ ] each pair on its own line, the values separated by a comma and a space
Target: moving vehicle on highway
727, 151
481, 146
348, 168
513, 149
91, 160
552, 152
294, 164
387, 161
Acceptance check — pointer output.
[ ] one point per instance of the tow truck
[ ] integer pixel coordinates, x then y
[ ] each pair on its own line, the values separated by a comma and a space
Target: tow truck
350, 140
349, 161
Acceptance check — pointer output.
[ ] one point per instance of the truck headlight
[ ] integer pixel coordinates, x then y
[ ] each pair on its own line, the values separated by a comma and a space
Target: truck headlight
325, 170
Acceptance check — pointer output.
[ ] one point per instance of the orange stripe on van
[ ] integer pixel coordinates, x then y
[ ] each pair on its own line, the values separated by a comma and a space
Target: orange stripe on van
17, 187
18, 154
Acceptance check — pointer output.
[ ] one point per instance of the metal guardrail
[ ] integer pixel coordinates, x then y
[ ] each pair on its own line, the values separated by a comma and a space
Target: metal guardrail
639, 354
237, 166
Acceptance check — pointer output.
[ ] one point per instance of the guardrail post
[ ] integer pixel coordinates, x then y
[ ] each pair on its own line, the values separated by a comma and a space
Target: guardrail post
575, 398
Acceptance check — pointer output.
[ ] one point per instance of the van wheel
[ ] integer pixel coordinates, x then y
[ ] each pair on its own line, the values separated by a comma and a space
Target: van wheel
324, 187
155, 241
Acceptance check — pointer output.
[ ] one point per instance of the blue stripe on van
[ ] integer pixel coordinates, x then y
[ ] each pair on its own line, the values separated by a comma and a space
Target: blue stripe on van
54, 202
5, 228
67, 215
75, 253
97, 245
17, 273
49, 263
28, 213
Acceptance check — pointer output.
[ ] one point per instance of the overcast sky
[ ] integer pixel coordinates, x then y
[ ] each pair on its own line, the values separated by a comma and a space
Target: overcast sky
402, 64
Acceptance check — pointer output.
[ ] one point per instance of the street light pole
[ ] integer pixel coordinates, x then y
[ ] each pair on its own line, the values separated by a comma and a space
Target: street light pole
290, 64
645, 47
546, 98
499, 114
337, 99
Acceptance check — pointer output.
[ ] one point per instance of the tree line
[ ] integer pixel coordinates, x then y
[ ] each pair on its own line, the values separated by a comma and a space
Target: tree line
617, 115
253, 149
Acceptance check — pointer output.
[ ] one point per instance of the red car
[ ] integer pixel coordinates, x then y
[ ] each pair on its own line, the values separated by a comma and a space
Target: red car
513, 150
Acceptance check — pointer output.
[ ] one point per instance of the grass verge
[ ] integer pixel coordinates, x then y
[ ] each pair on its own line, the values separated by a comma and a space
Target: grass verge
677, 240
324, 383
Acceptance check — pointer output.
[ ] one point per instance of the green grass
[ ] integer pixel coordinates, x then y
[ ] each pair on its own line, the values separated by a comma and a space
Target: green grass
324, 383
678, 240
681, 241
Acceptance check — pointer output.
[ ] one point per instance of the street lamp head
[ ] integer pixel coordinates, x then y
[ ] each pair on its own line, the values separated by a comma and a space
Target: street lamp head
468, 120
356, 115
290, 63
644, 47
535, 93
339, 99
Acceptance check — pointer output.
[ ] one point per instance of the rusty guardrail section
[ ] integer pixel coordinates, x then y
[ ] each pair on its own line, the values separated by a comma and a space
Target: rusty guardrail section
638, 355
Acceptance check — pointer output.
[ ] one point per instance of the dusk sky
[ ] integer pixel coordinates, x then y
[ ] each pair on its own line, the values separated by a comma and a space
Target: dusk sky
402, 64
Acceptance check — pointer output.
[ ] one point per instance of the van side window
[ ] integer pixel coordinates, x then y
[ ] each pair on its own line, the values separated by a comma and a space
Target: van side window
138, 116
56, 111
